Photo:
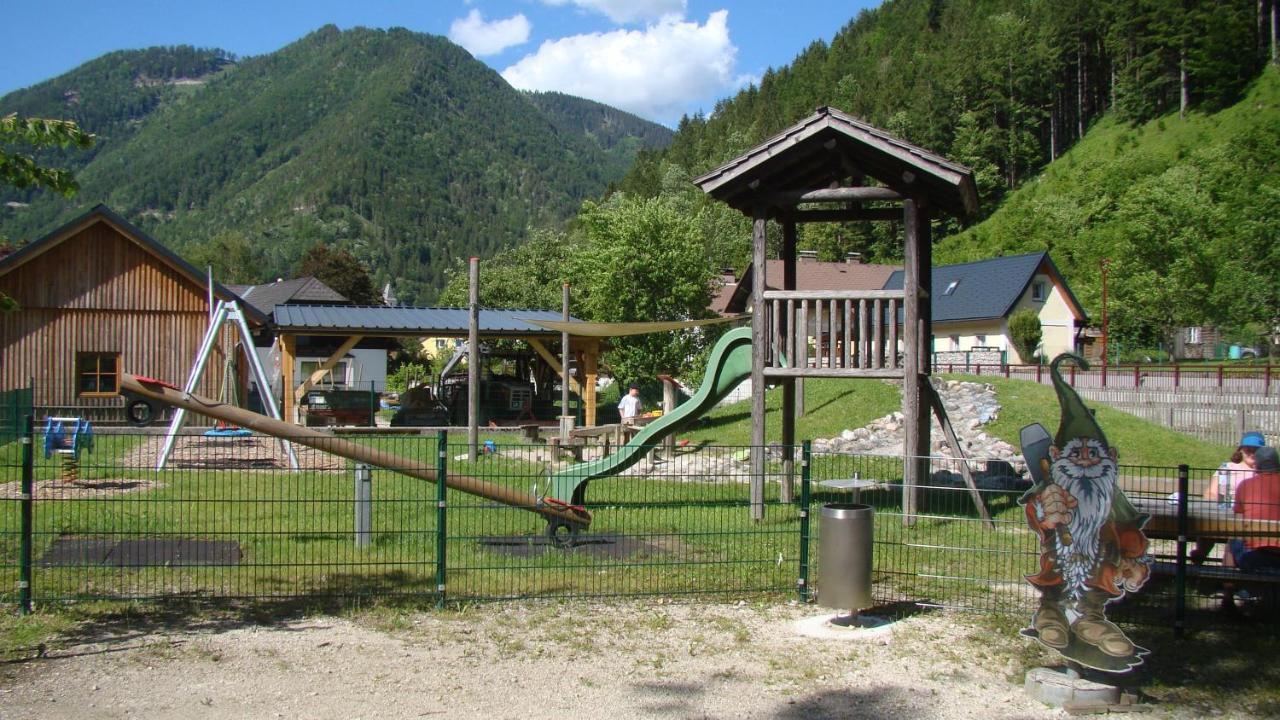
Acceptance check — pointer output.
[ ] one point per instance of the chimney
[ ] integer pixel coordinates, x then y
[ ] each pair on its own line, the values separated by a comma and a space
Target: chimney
807, 255
853, 258
728, 276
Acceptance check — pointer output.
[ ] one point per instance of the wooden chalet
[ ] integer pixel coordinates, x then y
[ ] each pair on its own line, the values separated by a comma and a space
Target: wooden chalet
831, 167
98, 296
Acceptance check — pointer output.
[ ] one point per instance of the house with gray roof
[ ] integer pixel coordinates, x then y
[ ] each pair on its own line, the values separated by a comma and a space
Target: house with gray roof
972, 303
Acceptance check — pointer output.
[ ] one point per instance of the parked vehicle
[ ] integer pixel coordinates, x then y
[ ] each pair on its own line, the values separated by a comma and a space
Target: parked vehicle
330, 408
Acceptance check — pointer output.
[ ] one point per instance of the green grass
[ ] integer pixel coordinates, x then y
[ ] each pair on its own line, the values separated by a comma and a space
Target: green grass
1137, 441
830, 406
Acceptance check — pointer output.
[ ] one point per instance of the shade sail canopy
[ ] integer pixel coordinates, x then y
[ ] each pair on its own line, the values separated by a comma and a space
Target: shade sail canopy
590, 329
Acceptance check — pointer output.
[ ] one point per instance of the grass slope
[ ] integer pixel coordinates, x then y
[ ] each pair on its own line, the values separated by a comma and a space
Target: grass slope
835, 405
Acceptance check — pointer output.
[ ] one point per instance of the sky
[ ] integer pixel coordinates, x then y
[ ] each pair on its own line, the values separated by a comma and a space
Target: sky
659, 59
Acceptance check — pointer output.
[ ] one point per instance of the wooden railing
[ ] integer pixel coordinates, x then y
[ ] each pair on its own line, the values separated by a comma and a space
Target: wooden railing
833, 333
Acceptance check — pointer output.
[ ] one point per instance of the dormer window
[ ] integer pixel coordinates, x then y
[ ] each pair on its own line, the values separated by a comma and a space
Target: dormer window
951, 287
1039, 291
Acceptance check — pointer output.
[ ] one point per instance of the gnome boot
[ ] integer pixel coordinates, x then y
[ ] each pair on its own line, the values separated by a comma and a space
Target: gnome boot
1050, 622
1093, 627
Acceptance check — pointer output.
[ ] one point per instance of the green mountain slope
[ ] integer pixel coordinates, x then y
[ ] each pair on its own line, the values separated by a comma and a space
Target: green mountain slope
398, 146
1184, 210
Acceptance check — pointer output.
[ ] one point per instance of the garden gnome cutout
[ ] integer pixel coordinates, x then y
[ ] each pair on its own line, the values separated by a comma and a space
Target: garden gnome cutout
1092, 550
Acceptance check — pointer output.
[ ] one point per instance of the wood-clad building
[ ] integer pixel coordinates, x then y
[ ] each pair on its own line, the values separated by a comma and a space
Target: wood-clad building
98, 296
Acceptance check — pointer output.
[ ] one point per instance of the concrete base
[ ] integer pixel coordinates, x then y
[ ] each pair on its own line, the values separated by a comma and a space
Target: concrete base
845, 627
1059, 687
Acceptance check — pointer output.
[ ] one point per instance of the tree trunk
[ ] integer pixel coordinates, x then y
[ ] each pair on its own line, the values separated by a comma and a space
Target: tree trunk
1184, 96
1079, 93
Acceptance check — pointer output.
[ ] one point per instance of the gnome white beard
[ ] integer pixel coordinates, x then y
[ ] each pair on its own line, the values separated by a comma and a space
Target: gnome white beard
1093, 488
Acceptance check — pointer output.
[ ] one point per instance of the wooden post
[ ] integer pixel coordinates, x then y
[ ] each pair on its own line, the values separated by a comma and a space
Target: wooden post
790, 408
564, 369
668, 406
473, 363
759, 336
915, 413
288, 357
591, 369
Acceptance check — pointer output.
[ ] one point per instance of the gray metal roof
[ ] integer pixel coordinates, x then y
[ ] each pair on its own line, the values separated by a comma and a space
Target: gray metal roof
406, 321
984, 289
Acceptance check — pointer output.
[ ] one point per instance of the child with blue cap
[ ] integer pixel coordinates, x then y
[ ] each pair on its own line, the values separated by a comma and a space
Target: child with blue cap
1222, 486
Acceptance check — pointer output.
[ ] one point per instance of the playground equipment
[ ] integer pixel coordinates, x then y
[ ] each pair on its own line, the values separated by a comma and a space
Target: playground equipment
142, 395
67, 437
225, 313
729, 365
562, 505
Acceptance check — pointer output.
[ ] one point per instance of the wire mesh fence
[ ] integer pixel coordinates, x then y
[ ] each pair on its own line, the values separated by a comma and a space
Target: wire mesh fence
231, 517
15, 405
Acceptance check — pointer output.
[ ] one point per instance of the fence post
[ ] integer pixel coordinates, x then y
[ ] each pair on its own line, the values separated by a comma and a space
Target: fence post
1104, 375
442, 455
1219, 376
802, 584
1177, 376
25, 547
1180, 567
1038, 375
364, 505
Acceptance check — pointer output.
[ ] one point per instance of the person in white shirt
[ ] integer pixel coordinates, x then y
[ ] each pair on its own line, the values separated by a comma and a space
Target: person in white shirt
629, 407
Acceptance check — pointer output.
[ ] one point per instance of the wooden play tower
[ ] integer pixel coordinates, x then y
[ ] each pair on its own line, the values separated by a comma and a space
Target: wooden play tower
831, 167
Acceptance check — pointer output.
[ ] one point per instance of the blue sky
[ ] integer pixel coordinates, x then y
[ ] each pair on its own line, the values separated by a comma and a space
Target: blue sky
657, 58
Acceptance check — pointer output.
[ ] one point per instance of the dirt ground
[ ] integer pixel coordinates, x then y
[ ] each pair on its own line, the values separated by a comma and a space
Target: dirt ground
530, 661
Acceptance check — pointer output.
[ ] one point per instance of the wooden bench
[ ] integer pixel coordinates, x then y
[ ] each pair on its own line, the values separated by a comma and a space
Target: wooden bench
1217, 574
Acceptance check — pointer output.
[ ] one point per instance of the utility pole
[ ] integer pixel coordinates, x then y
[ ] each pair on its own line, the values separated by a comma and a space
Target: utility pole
1106, 266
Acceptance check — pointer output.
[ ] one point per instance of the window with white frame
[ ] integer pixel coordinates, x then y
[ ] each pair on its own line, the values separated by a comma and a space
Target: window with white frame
1039, 291
337, 375
955, 342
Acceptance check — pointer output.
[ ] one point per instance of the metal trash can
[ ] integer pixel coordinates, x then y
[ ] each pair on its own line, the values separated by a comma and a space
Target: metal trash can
845, 536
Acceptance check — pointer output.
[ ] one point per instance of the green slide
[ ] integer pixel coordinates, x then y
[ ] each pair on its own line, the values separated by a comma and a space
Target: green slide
730, 364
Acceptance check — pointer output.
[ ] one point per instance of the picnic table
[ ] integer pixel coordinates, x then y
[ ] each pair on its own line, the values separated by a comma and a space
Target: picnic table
1206, 520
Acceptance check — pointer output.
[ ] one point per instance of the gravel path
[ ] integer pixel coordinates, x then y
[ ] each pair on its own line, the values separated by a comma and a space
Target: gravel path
532, 661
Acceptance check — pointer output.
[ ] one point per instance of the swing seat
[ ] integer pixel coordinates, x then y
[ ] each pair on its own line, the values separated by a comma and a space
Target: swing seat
225, 430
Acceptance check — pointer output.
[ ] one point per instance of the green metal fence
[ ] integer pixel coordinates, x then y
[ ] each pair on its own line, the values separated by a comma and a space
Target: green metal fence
15, 405
229, 518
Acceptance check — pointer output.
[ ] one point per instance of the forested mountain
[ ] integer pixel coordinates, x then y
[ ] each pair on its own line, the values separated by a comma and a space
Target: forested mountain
395, 145
1006, 87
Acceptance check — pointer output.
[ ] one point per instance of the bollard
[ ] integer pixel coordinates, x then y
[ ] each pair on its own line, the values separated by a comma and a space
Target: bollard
364, 505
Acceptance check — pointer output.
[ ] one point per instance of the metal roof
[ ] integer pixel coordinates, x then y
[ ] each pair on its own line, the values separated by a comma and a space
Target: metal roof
826, 148
986, 289
406, 321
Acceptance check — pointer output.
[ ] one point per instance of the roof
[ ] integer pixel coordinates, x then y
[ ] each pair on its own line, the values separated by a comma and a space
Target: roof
810, 275
102, 213
831, 147
987, 289
406, 321
304, 290
618, 329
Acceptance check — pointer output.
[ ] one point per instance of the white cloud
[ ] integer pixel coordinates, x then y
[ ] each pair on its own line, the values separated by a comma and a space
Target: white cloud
489, 38
656, 72
625, 11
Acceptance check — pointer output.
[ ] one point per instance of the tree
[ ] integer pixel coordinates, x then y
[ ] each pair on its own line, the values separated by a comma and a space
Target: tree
231, 256
341, 271
22, 171
642, 259
1025, 332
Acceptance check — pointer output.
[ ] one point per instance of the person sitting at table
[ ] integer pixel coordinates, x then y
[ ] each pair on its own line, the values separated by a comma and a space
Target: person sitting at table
1258, 498
1239, 469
